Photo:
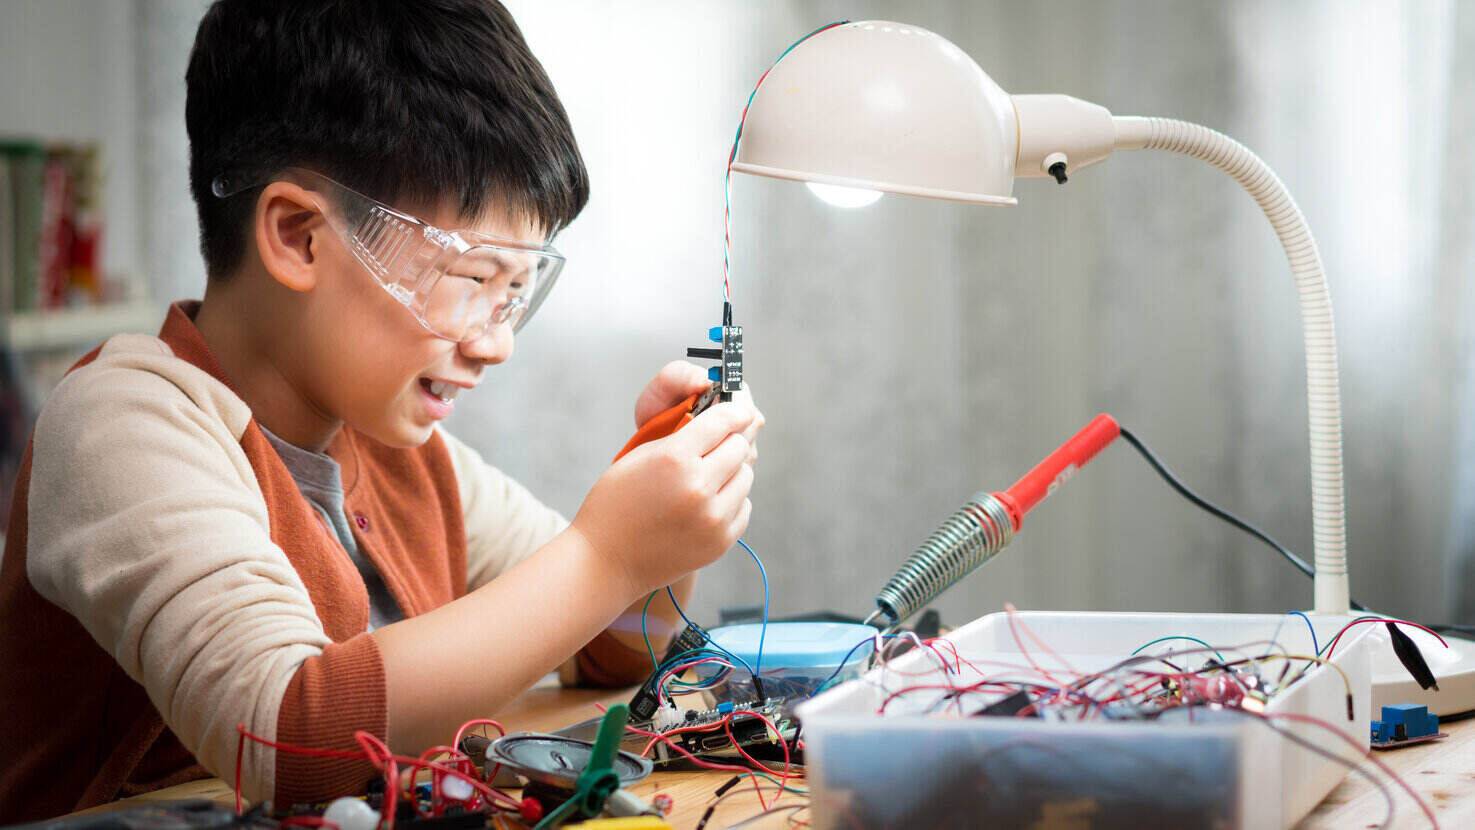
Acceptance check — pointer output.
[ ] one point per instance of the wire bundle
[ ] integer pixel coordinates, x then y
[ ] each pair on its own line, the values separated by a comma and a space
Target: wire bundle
391, 766
1144, 686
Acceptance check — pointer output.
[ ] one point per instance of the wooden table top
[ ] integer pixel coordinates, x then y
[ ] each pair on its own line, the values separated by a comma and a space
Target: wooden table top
1443, 773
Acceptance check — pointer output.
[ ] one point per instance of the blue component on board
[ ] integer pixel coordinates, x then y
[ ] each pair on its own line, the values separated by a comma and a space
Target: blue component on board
1402, 722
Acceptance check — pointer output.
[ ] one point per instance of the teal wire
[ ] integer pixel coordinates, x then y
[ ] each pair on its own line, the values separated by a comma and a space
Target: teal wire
656, 665
715, 645
1182, 637
790, 787
1316, 649
736, 140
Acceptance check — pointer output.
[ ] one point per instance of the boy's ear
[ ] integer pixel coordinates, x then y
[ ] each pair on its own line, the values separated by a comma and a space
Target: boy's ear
289, 227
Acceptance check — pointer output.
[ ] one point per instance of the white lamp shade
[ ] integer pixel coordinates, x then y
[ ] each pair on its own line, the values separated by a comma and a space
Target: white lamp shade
884, 106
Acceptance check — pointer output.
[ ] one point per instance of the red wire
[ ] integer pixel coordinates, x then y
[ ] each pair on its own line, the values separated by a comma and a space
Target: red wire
788, 766
380, 756
240, 750
375, 752
1023, 651
958, 657
309, 821
461, 762
1362, 748
461, 732
703, 764
1337, 638
732, 157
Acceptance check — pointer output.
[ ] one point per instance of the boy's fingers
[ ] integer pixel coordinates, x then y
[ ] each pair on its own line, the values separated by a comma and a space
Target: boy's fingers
729, 500
740, 524
676, 380
743, 397
722, 462
711, 428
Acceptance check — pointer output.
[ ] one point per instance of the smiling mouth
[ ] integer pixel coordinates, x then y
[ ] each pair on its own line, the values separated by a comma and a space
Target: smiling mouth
446, 392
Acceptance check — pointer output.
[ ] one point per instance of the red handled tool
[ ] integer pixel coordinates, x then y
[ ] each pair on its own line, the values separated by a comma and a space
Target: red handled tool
672, 419
985, 525
1058, 467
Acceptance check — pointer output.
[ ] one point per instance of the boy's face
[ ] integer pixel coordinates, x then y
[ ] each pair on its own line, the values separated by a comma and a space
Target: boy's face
370, 363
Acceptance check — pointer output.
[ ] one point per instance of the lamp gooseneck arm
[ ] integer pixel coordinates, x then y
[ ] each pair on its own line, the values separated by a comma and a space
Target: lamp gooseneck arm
1328, 508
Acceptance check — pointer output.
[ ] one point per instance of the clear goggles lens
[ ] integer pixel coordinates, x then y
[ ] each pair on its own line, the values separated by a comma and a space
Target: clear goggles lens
458, 284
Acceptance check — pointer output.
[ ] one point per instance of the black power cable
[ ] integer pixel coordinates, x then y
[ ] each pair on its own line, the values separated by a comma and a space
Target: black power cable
1183, 490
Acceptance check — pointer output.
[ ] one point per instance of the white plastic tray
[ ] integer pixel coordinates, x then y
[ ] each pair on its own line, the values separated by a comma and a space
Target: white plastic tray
1229, 770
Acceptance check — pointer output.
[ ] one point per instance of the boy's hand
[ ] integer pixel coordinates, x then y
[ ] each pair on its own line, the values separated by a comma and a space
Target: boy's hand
679, 380
675, 504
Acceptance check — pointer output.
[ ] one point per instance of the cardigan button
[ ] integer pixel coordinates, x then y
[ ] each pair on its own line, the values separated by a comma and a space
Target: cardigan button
361, 520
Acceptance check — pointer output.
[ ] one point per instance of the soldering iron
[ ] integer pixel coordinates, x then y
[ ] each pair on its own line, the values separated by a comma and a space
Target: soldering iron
985, 525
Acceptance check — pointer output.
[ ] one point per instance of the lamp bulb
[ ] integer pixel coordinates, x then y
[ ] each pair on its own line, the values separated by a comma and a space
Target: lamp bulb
845, 197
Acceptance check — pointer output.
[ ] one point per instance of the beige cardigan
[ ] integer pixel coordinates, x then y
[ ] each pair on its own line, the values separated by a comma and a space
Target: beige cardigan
163, 581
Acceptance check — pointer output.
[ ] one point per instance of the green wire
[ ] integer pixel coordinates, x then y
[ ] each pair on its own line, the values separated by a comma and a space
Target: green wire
1345, 627
645, 633
790, 787
1181, 637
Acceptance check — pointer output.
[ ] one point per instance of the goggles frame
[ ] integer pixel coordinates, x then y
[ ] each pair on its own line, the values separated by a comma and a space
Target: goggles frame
411, 259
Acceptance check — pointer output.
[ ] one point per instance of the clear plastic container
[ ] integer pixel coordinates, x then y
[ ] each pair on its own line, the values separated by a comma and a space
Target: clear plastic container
798, 657
1224, 769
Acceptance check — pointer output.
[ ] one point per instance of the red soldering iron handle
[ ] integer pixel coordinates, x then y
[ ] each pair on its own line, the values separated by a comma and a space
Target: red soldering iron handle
1058, 467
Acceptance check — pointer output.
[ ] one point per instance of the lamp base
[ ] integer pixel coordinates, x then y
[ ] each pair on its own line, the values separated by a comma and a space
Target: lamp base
1453, 667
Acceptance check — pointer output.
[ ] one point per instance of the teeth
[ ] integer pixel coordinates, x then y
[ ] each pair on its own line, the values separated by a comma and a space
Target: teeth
445, 391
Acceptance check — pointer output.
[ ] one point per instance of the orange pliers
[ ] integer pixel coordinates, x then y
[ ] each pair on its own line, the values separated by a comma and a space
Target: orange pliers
672, 419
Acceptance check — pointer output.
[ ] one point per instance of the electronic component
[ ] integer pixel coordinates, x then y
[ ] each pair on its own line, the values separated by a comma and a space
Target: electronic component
556, 760
645, 702
354, 814
728, 374
743, 721
1008, 707
1403, 724
1215, 688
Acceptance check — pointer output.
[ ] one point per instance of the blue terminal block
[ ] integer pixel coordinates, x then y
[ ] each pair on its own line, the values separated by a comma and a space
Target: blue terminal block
1404, 722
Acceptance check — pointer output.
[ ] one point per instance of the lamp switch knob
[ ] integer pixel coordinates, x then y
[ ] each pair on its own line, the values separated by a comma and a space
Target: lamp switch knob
1055, 165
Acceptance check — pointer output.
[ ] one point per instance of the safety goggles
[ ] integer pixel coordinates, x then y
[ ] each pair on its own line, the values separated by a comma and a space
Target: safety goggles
458, 284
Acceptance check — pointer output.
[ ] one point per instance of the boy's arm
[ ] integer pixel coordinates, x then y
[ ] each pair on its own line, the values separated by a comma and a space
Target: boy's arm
506, 524
663, 511
146, 524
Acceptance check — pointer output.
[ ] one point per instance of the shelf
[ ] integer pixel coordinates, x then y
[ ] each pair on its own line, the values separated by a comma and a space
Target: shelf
86, 326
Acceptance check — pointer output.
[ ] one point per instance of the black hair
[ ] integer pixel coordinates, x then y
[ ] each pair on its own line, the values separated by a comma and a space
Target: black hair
417, 100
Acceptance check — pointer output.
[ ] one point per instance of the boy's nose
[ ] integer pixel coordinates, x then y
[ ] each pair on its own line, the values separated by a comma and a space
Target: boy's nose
493, 346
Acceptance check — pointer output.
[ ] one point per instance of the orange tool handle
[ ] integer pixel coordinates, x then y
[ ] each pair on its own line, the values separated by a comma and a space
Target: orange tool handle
661, 425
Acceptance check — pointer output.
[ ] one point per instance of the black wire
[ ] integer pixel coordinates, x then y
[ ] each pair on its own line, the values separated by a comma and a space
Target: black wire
1178, 485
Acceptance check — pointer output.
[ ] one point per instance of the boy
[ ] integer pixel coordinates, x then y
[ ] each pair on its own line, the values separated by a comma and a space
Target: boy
253, 517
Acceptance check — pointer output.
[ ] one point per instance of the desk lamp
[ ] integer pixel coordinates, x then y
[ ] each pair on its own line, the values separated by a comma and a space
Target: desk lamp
872, 107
